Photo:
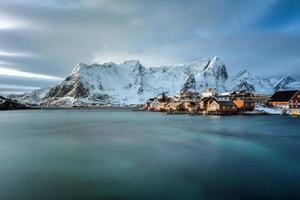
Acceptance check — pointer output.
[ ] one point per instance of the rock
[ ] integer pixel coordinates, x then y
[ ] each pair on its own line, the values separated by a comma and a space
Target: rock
9, 104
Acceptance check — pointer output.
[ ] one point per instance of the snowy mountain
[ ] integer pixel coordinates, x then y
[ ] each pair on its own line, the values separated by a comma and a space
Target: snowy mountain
132, 83
244, 80
34, 97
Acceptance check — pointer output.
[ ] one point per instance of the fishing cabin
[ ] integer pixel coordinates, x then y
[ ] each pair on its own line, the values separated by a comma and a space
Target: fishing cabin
288, 99
188, 95
153, 104
176, 106
161, 107
204, 103
148, 104
190, 106
216, 107
244, 104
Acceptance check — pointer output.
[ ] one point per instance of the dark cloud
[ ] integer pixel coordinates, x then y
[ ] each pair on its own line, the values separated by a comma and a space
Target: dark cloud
258, 35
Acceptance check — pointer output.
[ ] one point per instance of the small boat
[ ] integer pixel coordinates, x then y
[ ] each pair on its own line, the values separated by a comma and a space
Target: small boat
294, 113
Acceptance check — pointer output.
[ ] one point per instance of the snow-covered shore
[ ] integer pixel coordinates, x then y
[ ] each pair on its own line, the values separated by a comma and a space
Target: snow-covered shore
273, 111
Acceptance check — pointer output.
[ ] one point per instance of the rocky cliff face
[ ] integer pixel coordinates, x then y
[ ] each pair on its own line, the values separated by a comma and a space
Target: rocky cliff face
132, 83
9, 104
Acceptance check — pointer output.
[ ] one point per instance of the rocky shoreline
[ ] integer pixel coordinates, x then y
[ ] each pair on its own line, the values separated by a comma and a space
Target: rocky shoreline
10, 104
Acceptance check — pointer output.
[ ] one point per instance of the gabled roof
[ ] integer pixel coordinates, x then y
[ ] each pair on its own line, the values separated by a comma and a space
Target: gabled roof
150, 100
225, 103
245, 100
177, 103
283, 96
205, 99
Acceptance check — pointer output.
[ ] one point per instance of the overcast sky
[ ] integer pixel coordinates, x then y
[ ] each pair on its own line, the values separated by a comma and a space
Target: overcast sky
42, 40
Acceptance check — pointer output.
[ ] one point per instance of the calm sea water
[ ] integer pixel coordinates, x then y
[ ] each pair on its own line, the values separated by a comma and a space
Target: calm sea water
119, 154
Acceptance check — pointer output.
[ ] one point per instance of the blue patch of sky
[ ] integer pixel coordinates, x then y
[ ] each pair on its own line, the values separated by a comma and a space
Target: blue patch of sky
281, 16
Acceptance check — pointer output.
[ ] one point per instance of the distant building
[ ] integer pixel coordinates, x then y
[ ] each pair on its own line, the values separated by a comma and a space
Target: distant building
161, 107
288, 99
204, 103
190, 106
211, 92
153, 104
176, 106
148, 103
261, 98
188, 95
223, 97
241, 94
221, 107
164, 98
248, 96
244, 104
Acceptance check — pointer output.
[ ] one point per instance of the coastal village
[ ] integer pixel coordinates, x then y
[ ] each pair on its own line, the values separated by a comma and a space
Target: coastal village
211, 102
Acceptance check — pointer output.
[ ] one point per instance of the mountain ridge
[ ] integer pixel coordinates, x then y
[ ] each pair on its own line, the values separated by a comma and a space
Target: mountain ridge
132, 83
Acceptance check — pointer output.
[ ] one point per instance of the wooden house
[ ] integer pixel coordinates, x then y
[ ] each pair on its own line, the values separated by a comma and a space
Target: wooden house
289, 99
261, 98
164, 98
176, 106
241, 94
221, 107
153, 104
188, 95
148, 104
162, 107
223, 98
245, 104
204, 103
190, 106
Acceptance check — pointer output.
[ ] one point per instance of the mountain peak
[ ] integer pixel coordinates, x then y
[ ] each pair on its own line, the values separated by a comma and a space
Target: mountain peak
286, 77
216, 58
216, 68
215, 63
78, 67
242, 74
283, 82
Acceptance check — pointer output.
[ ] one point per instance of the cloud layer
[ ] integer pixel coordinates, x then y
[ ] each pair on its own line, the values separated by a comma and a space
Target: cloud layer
49, 37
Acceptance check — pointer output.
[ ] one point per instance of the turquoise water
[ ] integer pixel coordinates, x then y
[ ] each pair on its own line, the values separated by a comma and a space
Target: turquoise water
119, 154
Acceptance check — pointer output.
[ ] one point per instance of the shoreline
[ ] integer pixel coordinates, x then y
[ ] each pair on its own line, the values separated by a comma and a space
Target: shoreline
138, 109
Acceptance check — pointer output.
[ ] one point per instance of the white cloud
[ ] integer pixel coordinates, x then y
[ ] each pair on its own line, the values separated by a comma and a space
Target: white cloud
7, 22
17, 73
20, 87
15, 54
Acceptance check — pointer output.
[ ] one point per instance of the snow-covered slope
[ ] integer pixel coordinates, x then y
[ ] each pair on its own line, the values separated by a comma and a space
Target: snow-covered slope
244, 80
34, 97
132, 83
